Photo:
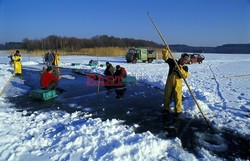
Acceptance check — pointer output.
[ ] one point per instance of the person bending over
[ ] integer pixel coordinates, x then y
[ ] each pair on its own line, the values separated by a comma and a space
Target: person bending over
49, 81
173, 88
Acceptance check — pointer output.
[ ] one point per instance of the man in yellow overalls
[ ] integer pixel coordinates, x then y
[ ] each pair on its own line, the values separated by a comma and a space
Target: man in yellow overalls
17, 58
56, 59
173, 88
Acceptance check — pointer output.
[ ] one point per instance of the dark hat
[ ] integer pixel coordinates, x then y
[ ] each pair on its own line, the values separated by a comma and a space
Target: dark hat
49, 68
184, 55
107, 63
118, 66
17, 51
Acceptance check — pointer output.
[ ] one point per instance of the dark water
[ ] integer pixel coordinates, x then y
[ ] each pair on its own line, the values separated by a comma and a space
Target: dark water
136, 103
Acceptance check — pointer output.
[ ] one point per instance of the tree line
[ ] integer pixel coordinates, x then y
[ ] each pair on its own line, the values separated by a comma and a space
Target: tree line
74, 44
226, 48
11, 45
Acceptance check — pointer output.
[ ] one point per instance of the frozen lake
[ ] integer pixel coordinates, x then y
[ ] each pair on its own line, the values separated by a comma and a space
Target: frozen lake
220, 85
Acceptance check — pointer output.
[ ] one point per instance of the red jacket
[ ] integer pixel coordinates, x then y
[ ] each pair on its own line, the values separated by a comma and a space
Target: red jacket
122, 72
47, 78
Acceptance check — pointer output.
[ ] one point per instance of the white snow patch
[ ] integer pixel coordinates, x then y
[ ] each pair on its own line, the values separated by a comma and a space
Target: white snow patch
30, 63
61, 136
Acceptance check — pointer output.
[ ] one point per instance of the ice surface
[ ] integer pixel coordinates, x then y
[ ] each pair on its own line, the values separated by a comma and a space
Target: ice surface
57, 135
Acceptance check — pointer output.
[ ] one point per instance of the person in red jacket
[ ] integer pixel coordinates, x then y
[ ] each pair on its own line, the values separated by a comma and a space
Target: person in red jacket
49, 81
119, 75
120, 71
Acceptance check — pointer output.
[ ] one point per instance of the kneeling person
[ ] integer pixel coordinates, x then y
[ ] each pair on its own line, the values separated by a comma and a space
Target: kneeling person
49, 81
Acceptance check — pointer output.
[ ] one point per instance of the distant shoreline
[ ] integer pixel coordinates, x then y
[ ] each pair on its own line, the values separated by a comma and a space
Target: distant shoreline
111, 46
102, 52
121, 51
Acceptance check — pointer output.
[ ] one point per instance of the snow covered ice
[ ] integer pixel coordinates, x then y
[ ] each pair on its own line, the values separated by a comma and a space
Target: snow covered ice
218, 83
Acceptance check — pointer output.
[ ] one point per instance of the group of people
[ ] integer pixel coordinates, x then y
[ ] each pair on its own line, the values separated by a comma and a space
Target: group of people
110, 71
173, 87
49, 80
119, 72
52, 58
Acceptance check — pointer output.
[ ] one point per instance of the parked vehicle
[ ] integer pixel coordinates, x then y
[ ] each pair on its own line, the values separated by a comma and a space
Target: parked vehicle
135, 54
196, 58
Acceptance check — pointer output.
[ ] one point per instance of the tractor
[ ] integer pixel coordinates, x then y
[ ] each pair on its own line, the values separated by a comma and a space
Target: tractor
135, 54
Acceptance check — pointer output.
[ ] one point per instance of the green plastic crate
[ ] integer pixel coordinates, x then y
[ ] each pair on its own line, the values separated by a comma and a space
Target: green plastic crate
129, 79
43, 94
75, 64
93, 64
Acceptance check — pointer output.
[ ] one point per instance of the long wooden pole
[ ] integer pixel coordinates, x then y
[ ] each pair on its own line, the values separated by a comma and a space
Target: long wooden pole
6, 84
191, 92
98, 85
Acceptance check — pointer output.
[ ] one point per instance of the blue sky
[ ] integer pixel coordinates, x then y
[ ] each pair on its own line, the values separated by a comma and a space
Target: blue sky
190, 22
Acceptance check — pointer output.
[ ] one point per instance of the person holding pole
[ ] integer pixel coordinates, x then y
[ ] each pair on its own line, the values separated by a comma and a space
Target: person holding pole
170, 53
173, 88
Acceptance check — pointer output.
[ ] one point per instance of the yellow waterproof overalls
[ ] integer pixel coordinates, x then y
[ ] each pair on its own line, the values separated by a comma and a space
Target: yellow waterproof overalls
57, 58
173, 88
17, 64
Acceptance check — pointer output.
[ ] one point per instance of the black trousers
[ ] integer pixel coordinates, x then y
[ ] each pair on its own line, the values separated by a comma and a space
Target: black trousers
53, 85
